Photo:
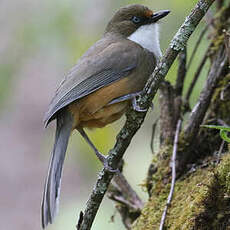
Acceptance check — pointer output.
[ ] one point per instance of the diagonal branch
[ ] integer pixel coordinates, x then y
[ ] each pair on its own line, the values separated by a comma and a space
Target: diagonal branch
135, 119
167, 112
197, 74
201, 107
197, 45
181, 75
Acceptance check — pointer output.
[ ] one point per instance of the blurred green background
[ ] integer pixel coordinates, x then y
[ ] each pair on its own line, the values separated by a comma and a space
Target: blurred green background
39, 42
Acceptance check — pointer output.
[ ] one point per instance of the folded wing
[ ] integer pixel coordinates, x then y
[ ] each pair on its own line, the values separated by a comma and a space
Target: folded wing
94, 71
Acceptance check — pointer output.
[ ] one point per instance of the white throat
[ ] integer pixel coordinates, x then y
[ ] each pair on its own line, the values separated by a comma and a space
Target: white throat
148, 37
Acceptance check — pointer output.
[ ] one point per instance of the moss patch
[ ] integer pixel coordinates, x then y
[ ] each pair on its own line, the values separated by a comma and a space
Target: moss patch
201, 201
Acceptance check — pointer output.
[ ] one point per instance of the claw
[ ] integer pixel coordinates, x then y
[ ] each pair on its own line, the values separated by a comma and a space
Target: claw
109, 168
136, 107
131, 96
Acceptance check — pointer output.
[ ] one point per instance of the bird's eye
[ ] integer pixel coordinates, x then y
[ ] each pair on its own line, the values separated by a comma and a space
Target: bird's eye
136, 19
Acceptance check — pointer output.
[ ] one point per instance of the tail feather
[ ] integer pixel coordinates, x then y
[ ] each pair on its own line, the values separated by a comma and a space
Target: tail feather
53, 180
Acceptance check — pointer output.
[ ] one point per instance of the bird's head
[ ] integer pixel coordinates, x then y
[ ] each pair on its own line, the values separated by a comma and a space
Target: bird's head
130, 18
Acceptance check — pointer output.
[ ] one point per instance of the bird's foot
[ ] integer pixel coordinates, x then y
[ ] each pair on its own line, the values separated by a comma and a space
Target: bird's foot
135, 105
104, 160
109, 168
131, 96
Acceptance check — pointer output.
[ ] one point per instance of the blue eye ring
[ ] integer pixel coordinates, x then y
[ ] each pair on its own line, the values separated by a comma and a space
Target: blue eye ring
136, 19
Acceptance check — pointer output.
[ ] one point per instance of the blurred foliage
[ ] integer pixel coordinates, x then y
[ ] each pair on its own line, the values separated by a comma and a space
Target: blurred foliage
6, 72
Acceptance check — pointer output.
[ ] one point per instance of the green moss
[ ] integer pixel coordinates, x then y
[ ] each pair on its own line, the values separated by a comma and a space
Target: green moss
221, 108
224, 175
216, 43
200, 201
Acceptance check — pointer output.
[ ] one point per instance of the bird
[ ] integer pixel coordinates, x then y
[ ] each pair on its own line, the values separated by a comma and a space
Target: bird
100, 87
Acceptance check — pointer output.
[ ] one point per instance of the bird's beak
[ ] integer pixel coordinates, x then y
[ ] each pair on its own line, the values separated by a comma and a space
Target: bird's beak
158, 15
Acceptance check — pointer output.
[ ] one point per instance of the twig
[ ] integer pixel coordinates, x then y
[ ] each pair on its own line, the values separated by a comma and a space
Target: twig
166, 104
181, 74
209, 18
197, 74
128, 217
227, 43
129, 209
201, 107
220, 151
223, 123
173, 163
197, 45
170, 101
153, 135
121, 192
135, 119
122, 200
127, 192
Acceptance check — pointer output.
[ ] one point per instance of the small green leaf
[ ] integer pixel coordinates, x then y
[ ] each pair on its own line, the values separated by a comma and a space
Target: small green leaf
223, 131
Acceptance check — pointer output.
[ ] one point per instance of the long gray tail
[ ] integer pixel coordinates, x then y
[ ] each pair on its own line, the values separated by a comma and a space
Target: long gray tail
53, 181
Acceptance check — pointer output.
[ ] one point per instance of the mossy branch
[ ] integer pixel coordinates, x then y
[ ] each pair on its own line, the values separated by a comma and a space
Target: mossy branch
135, 119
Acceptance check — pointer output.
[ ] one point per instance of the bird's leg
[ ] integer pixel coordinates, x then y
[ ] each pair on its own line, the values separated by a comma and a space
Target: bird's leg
131, 96
119, 179
100, 156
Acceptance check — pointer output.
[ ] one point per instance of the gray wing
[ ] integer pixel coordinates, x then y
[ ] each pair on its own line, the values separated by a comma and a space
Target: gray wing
93, 72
